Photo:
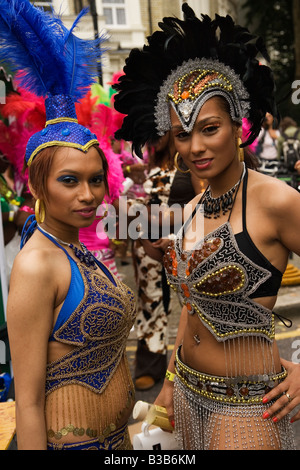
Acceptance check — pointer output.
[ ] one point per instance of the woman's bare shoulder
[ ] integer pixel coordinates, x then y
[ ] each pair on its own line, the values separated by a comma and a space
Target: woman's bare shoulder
37, 262
272, 193
32, 260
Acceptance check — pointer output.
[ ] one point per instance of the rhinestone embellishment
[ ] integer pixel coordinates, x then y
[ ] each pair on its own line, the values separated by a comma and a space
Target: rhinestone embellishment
214, 282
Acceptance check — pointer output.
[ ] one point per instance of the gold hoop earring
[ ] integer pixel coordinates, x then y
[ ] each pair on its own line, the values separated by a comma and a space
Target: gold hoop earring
101, 217
177, 166
240, 150
39, 210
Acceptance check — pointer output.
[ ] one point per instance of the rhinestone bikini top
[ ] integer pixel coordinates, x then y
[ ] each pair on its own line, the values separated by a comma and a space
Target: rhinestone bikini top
215, 281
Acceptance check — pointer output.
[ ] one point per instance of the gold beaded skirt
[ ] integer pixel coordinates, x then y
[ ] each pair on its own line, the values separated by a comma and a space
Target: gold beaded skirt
77, 416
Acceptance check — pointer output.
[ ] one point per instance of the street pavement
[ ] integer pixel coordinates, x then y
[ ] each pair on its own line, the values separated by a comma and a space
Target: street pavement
288, 339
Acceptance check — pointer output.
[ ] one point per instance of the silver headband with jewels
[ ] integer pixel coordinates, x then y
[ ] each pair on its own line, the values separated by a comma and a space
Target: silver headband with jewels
194, 82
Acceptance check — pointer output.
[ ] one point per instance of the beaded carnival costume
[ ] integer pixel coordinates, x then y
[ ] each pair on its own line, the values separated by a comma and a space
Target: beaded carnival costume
216, 281
89, 391
184, 64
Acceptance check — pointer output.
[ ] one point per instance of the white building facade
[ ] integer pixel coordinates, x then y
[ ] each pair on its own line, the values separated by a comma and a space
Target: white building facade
127, 23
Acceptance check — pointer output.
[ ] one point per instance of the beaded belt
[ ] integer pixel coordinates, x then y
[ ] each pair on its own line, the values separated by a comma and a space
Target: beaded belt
237, 390
116, 440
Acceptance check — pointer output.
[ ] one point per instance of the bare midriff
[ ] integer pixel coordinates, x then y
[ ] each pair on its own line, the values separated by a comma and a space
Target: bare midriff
207, 354
75, 413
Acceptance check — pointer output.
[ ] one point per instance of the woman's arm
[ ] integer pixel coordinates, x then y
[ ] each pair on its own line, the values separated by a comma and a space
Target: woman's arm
29, 320
297, 166
287, 203
165, 397
288, 218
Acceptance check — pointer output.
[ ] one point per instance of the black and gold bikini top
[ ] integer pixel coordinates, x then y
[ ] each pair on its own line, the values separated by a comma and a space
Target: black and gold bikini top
220, 276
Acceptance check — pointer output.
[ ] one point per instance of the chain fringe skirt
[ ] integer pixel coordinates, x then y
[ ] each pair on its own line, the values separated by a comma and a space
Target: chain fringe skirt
207, 424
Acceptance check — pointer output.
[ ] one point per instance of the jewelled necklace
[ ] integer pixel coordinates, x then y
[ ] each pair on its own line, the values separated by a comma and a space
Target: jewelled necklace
214, 205
84, 255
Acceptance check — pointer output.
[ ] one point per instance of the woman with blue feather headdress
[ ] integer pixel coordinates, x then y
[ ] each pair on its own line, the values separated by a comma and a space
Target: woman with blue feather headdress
68, 317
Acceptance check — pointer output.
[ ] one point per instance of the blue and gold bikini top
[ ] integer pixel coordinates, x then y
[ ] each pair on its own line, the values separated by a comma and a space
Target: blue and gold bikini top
96, 318
219, 277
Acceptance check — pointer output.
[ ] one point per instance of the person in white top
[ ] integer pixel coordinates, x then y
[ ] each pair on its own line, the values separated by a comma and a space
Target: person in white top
267, 140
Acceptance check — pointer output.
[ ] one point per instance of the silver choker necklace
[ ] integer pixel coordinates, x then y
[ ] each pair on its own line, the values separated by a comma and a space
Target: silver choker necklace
84, 255
214, 205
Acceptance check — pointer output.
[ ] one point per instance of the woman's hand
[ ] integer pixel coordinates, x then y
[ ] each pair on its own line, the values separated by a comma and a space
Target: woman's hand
162, 244
297, 166
165, 398
287, 394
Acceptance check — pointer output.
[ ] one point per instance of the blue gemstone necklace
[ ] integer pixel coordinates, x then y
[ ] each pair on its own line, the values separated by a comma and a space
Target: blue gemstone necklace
84, 255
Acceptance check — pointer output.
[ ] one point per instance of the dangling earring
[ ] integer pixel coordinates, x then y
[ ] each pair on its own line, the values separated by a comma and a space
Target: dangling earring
39, 210
177, 166
101, 217
240, 150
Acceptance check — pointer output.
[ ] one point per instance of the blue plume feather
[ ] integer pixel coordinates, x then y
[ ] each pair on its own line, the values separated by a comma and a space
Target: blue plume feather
49, 57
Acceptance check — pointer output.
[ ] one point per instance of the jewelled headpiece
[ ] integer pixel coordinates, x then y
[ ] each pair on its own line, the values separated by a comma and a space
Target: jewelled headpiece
184, 64
191, 85
61, 128
51, 62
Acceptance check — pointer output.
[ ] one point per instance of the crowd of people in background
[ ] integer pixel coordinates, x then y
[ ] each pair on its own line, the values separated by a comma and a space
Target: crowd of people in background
278, 146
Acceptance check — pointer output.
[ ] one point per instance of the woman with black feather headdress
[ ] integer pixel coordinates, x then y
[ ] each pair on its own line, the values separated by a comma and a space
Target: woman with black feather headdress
200, 78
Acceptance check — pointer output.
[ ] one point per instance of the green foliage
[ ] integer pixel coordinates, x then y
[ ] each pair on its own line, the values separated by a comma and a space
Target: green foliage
273, 20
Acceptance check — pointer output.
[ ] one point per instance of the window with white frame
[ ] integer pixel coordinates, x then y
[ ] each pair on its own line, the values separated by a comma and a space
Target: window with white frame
114, 12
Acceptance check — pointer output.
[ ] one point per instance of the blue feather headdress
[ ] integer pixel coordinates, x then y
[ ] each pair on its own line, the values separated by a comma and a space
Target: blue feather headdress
52, 62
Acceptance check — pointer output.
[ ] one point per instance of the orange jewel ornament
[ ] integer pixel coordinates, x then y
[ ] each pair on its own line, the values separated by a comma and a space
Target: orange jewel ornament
185, 289
185, 95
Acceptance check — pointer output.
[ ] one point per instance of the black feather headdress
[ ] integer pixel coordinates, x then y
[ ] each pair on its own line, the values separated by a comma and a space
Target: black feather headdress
215, 57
